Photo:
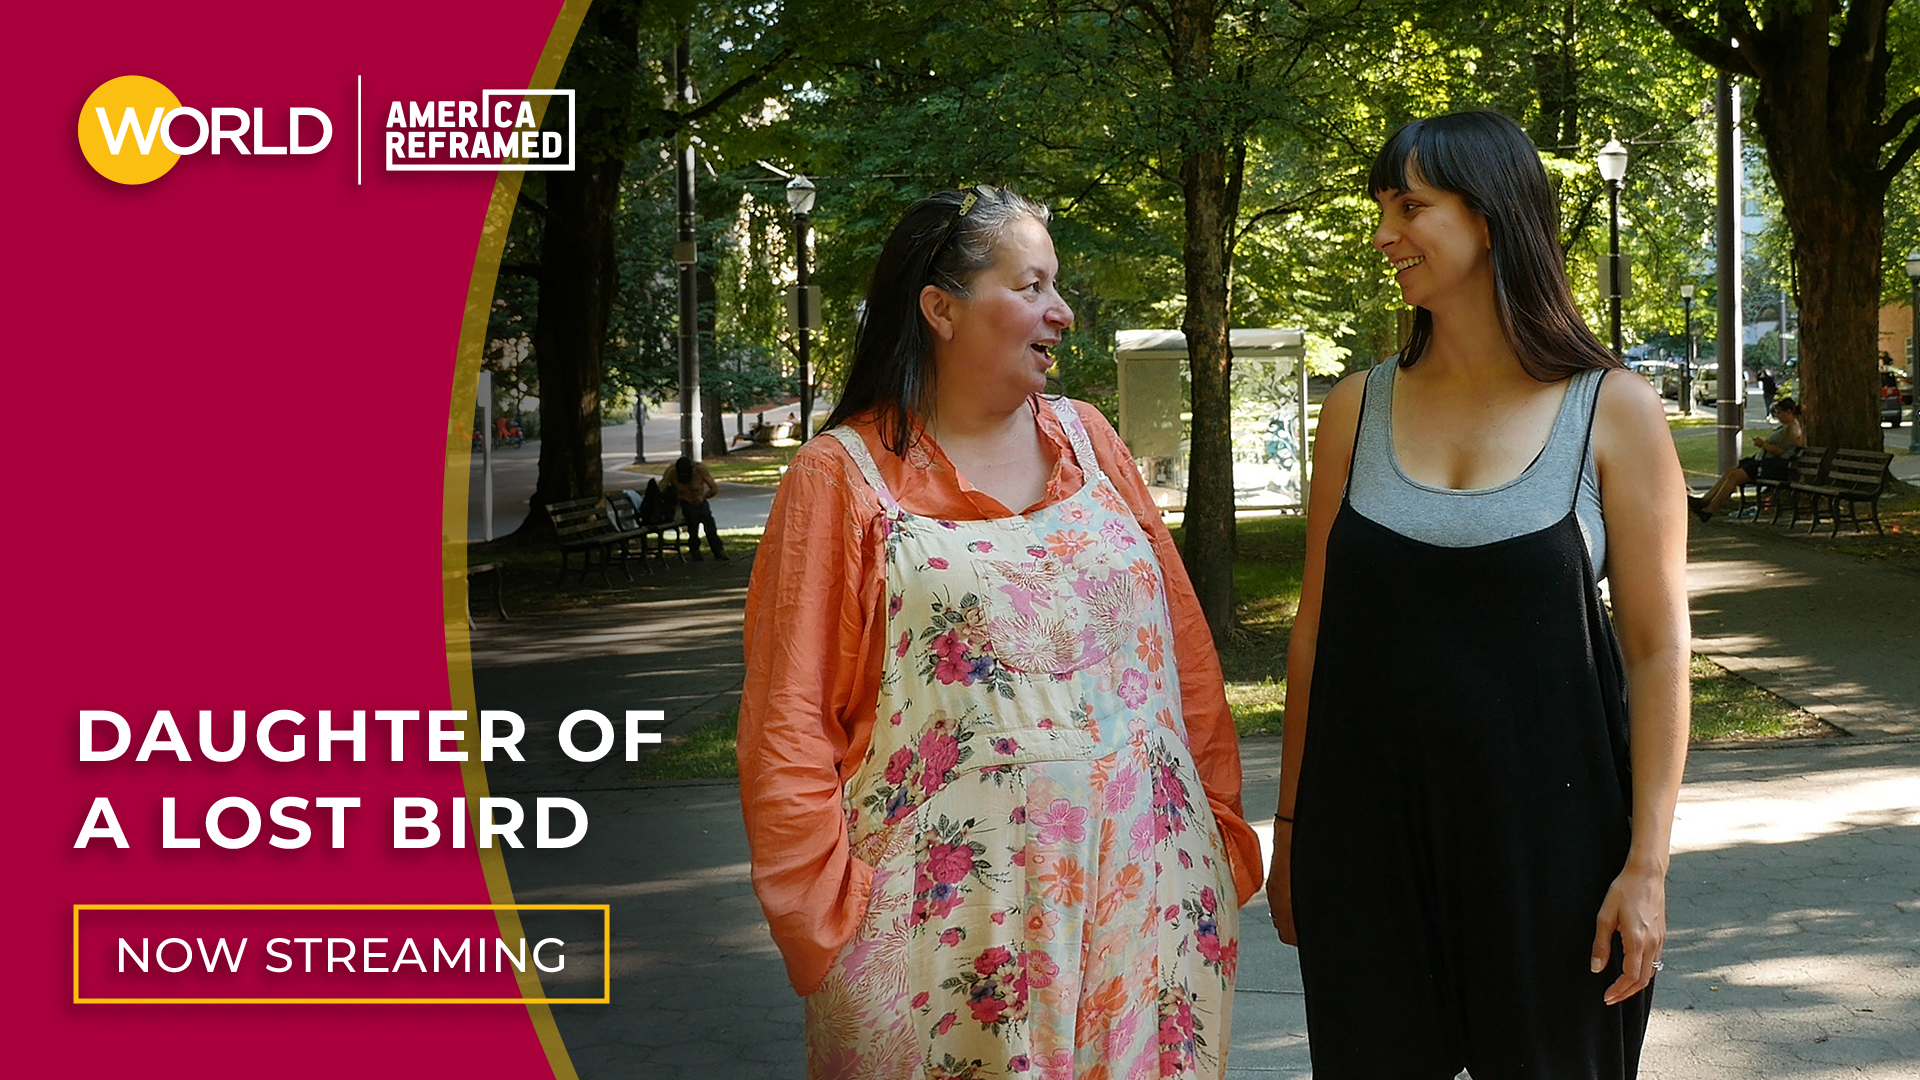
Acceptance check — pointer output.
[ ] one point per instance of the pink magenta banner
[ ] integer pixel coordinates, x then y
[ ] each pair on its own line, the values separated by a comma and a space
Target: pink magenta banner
237, 331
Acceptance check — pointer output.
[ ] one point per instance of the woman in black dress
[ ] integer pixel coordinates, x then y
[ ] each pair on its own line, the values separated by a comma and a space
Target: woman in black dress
1478, 776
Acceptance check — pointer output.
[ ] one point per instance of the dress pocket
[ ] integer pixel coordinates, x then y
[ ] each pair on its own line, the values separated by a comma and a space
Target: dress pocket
905, 773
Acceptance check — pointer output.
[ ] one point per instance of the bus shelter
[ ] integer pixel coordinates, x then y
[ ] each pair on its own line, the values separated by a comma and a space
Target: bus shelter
1269, 393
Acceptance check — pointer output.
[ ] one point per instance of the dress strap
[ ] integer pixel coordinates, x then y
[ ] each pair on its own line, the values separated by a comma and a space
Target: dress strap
863, 460
1360, 420
1077, 435
1597, 377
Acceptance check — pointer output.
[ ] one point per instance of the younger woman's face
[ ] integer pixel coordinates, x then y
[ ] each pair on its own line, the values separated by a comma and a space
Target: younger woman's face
1438, 247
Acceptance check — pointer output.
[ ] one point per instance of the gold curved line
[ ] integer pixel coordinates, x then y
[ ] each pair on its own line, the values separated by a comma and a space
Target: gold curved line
473, 339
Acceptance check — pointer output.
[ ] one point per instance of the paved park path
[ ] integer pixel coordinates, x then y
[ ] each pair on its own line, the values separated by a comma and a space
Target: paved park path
1794, 945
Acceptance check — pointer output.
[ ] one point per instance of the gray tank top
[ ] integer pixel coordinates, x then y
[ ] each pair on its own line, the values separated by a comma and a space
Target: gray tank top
1562, 475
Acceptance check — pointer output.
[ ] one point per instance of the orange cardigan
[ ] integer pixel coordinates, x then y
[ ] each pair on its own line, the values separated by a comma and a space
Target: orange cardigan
814, 620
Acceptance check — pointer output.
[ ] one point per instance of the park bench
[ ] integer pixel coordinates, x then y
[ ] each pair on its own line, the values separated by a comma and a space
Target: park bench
1806, 465
624, 507
585, 526
1853, 477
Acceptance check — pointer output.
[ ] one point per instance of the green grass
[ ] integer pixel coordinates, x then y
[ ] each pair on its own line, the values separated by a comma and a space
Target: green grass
1267, 569
745, 464
1266, 590
1258, 708
1699, 450
528, 569
705, 753
1728, 707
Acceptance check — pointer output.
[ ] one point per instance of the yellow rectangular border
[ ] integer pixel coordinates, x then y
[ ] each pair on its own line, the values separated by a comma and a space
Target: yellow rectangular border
606, 947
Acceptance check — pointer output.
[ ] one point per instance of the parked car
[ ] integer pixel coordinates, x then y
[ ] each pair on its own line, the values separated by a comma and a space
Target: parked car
1670, 383
1706, 385
1656, 372
1896, 389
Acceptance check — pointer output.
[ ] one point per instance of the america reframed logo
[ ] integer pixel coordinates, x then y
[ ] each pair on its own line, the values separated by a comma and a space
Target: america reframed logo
500, 131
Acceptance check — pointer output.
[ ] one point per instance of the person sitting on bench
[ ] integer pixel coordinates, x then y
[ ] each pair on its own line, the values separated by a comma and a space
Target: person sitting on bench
693, 485
1776, 447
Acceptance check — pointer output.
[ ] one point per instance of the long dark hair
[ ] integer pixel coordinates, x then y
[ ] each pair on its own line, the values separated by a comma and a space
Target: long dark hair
1486, 159
945, 239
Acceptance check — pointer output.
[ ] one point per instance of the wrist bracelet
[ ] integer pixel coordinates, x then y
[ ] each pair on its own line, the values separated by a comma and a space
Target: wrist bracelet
1279, 817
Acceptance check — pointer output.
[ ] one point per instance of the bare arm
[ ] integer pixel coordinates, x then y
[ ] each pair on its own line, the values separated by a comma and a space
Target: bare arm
1641, 494
1332, 455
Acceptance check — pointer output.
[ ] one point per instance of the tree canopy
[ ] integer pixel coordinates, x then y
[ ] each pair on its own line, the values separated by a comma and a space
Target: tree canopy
1205, 161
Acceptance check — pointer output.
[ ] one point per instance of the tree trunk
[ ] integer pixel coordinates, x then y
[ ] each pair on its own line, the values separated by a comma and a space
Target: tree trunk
1835, 203
1556, 79
576, 298
1838, 256
1209, 225
579, 269
1820, 100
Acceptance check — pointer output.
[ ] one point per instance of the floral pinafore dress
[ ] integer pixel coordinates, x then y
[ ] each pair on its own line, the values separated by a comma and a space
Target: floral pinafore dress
1051, 896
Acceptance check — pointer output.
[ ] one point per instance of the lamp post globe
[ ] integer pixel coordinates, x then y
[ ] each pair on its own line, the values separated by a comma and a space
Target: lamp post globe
1613, 169
1613, 162
800, 196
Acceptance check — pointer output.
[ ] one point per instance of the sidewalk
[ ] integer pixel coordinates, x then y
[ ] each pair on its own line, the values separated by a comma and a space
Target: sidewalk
1794, 898
1831, 633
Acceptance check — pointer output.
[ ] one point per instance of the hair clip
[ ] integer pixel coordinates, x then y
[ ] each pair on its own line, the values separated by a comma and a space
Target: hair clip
966, 203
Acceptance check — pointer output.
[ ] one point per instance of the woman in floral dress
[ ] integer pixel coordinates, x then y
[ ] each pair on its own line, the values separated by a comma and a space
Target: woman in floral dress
988, 773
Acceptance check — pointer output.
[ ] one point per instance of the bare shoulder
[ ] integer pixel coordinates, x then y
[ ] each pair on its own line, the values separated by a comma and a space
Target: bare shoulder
1629, 417
1629, 408
1340, 412
1623, 389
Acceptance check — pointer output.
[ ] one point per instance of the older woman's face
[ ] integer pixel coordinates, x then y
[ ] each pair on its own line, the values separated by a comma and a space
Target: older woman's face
1438, 247
1004, 330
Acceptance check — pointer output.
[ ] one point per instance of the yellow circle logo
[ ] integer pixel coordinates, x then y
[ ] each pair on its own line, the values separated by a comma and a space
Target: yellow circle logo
122, 130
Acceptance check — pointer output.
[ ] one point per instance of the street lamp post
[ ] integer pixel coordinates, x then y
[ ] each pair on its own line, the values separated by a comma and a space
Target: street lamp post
800, 195
686, 255
1613, 169
1686, 358
1913, 355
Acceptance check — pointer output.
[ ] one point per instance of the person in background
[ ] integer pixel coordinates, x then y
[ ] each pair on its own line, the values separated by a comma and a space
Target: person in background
1776, 449
693, 485
1768, 388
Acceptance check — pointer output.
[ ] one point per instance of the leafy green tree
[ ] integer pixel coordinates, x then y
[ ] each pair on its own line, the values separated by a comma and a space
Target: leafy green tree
619, 65
1834, 102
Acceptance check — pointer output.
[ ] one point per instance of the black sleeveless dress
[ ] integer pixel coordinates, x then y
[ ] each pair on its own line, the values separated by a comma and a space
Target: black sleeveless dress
1463, 806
